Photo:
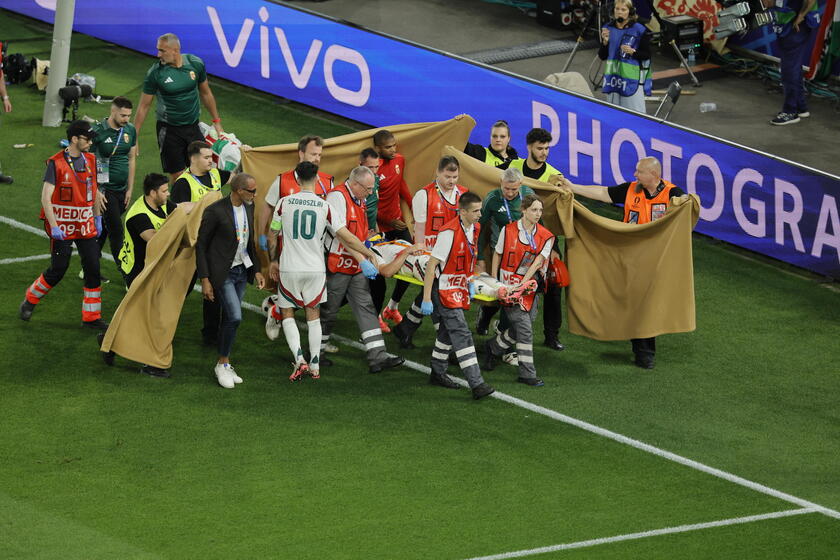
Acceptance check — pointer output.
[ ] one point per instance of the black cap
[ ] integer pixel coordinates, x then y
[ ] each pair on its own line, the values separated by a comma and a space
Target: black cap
80, 128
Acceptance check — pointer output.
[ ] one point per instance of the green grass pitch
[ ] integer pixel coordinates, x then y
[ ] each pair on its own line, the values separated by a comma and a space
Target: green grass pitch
100, 462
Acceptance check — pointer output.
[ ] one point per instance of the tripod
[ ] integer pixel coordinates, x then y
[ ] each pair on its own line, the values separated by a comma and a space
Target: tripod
596, 10
673, 42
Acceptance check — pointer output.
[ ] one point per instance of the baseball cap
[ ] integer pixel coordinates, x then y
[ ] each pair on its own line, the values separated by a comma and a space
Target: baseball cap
80, 128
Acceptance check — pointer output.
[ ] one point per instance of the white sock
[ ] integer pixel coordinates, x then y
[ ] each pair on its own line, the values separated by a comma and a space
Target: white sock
314, 343
290, 331
393, 304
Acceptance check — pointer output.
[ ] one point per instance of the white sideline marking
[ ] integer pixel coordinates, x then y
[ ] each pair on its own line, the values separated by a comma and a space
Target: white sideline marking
553, 414
645, 534
566, 419
25, 259
25, 227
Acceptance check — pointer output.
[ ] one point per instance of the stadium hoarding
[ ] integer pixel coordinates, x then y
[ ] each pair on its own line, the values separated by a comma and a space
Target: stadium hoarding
754, 200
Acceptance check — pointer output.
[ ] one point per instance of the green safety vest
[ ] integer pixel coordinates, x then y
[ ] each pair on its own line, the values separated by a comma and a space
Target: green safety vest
199, 189
127, 253
549, 171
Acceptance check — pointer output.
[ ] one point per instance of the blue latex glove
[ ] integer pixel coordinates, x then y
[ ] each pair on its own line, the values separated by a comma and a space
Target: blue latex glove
97, 221
471, 288
426, 308
369, 269
56, 233
263, 242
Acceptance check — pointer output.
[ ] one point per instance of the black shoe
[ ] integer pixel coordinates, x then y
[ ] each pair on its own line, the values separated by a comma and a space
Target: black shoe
785, 118
8, 178
387, 363
107, 357
26, 310
482, 390
481, 327
155, 371
532, 381
554, 344
644, 362
324, 361
403, 337
443, 380
97, 324
490, 359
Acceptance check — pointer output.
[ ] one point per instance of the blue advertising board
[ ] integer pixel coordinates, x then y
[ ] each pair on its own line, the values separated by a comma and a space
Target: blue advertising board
753, 200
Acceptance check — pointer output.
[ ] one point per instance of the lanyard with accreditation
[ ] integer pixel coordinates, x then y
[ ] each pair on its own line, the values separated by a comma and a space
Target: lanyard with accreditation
102, 170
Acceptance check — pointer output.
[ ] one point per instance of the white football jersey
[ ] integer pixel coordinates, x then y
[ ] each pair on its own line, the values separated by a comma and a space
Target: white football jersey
414, 265
303, 219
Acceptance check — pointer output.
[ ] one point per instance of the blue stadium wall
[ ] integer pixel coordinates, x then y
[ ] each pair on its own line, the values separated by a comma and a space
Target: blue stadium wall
751, 199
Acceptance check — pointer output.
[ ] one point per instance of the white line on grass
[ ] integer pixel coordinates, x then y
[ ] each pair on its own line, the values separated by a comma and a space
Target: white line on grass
645, 534
603, 432
25, 227
25, 259
569, 420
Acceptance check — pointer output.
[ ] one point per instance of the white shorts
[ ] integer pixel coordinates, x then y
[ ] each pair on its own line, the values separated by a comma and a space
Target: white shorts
301, 289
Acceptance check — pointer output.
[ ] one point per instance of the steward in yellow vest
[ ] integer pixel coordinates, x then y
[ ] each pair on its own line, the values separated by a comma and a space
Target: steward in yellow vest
200, 177
144, 218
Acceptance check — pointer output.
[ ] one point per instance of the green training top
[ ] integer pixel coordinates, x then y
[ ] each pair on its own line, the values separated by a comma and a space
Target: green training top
176, 90
113, 147
495, 212
372, 203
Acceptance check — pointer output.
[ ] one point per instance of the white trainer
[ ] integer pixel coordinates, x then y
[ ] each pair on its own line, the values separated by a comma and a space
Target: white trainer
330, 348
224, 376
236, 378
272, 327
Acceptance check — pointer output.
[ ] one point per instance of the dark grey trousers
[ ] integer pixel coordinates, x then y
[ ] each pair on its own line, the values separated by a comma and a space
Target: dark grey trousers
454, 334
520, 335
355, 288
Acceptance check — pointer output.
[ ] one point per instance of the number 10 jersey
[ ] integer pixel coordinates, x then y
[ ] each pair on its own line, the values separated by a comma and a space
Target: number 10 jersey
302, 220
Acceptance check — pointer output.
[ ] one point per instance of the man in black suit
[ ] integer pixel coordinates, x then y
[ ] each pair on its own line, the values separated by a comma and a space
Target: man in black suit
226, 259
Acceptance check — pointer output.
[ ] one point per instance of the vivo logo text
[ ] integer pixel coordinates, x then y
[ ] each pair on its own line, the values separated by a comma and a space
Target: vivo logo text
300, 72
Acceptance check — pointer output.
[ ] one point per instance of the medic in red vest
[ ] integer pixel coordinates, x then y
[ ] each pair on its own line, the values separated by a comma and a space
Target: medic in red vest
519, 260
310, 148
339, 258
71, 216
437, 203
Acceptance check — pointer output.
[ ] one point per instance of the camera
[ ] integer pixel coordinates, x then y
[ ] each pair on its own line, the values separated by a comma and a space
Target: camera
741, 16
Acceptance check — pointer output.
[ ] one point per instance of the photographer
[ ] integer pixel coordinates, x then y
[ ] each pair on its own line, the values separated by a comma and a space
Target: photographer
625, 45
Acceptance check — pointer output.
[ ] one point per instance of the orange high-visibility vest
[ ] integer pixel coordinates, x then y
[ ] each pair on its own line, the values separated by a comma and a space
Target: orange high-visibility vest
459, 266
517, 257
439, 211
638, 209
340, 259
289, 184
73, 197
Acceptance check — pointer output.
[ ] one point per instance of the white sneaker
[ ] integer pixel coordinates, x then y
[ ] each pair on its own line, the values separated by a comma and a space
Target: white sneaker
236, 378
330, 348
272, 327
511, 358
224, 376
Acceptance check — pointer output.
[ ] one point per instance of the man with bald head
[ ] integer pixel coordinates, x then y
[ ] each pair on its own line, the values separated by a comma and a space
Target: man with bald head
646, 199
178, 81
